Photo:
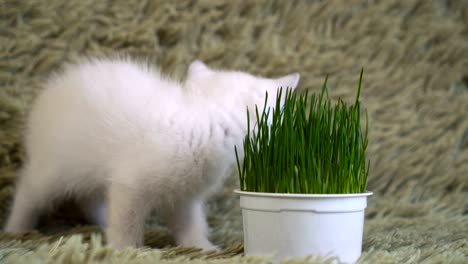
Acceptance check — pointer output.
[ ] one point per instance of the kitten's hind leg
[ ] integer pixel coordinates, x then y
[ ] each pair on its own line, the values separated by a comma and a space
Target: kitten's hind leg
30, 200
187, 222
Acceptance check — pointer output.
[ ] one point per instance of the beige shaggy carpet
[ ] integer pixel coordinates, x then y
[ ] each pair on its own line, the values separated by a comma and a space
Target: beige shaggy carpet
415, 56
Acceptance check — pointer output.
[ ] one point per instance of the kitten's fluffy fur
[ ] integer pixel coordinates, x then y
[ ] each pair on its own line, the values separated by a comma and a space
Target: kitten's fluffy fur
123, 140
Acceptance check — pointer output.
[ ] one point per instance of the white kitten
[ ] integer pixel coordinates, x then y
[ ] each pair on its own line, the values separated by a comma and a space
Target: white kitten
123, 140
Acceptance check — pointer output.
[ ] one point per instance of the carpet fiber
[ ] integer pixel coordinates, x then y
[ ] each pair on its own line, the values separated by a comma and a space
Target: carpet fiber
415, 56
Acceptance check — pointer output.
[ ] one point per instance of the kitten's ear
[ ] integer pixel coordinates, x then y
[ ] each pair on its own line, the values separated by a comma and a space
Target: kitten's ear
197, 67
290, 80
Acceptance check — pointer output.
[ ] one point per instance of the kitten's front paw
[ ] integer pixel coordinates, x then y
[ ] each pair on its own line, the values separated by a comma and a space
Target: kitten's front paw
210, 247
204, 244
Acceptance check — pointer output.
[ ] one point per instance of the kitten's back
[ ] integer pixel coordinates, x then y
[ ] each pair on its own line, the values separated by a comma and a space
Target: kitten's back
97, 108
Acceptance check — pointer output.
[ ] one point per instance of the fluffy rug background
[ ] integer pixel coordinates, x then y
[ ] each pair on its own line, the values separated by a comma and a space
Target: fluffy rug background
415, 55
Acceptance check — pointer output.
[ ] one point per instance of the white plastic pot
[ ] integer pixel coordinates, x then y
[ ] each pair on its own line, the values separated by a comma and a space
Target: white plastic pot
298, 225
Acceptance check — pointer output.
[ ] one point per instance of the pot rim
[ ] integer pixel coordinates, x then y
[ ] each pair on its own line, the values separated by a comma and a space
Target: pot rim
302, 195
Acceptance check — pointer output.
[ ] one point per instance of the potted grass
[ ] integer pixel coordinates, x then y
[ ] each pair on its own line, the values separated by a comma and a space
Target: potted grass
303, 178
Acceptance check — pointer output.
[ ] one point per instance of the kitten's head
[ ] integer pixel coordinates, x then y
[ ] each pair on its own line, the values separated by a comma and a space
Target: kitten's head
237, 88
